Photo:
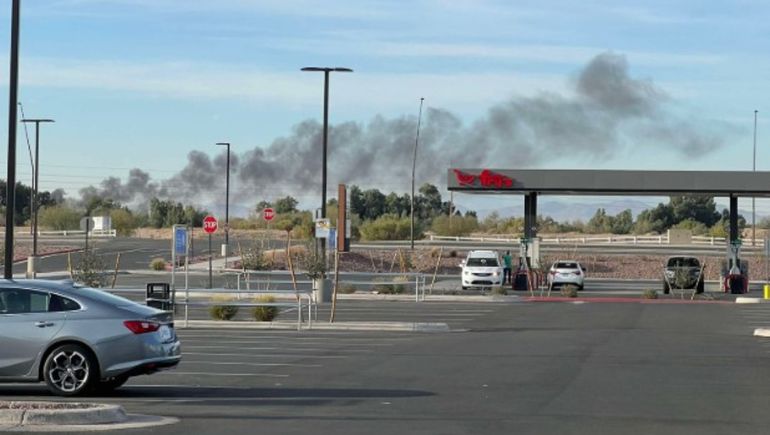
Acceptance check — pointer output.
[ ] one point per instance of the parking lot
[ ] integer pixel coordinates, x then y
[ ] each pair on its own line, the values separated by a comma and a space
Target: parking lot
532, 368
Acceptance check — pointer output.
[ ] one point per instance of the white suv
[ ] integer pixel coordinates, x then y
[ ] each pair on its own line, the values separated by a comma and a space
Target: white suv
482, 269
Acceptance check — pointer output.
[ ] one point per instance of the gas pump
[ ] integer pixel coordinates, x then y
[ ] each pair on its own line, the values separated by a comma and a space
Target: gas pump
735, 273
524, 277
521, 275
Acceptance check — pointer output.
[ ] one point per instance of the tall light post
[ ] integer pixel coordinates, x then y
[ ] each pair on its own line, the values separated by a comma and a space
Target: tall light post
31, 267
753, 200
10, 187
326, 71
227, 202
414, 166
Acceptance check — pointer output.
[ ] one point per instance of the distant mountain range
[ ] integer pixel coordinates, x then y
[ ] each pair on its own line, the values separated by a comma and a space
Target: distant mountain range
570, 211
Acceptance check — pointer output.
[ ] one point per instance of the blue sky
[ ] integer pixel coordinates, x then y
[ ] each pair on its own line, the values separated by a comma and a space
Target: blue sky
141, 83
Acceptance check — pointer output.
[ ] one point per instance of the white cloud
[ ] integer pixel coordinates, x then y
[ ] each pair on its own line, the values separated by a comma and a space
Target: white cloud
185, 80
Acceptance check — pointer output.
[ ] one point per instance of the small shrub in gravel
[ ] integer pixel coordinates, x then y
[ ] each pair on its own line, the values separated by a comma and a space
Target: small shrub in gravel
158, 264
265, 313
650, 294
569, 291
222, 312
347, 289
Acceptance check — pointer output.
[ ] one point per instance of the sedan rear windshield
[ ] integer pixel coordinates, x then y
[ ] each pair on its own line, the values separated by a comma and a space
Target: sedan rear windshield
683, 262
566, 265
482, 262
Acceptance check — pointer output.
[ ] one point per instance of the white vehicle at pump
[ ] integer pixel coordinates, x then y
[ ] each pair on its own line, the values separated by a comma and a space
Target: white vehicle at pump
482, 269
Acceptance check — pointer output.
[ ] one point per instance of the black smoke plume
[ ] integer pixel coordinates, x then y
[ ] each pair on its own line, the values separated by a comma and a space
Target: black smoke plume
608, 112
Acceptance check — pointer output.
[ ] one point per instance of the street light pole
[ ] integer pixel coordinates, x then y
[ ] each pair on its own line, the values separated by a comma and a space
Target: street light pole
10, 187
753, 199
31, 267
326, 71
414, 166
227, 201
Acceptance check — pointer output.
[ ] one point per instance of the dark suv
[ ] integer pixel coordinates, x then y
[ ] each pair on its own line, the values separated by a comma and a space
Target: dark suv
683, 272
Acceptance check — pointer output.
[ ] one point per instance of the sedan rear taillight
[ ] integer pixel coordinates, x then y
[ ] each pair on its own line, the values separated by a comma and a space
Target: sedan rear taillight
141, 326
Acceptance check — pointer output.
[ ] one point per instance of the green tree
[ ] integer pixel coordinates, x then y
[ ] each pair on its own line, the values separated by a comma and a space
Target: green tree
286, 205
698, 208
123, 221
373, 204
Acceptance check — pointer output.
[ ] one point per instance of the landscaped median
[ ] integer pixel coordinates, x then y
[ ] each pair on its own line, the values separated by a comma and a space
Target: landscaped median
71, 417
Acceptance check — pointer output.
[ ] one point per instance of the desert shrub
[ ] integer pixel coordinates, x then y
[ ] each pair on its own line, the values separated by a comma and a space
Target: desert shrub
650, 294
569, 291
395, 287
456, 226
388, 227
59, 218
90, 270
434, 252
453, 254
265, 313
158, 264
254, 259
222, 311
347, 289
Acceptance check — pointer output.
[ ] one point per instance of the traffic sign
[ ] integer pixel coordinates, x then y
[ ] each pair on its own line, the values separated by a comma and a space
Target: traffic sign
210, 224
268, 214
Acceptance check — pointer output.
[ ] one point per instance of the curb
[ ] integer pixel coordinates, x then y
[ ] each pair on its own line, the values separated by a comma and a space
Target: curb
97, 414
339, 326
748, 300
762, 332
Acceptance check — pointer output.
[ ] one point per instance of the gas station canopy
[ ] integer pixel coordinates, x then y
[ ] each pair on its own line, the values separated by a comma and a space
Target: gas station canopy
534, 182
610, 182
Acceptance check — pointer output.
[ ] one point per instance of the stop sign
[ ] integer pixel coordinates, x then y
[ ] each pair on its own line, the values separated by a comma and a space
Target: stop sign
268, 214
210, 224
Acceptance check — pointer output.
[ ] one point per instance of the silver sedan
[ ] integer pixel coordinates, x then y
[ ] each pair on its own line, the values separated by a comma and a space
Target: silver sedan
78, 339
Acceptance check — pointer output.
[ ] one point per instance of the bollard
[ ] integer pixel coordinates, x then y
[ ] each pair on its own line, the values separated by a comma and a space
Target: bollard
767, 291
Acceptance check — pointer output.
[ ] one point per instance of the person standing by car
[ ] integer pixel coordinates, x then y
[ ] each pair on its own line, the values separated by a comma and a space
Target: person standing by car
507, 267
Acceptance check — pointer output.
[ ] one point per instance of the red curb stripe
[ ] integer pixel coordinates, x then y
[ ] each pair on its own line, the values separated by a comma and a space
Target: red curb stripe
621, 300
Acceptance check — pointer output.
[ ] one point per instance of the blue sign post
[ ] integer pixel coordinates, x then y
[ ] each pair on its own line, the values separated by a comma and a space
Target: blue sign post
180, 240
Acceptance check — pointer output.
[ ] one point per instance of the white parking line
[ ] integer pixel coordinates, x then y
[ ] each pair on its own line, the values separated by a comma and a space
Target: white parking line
177, 373
273, 355
270, 349
251, 364
257, 341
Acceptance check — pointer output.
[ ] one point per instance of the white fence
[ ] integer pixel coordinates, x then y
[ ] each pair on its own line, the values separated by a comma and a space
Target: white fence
627, 240
67, 233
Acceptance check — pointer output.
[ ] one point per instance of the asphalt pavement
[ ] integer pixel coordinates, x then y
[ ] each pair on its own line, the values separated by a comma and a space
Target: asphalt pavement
524, 368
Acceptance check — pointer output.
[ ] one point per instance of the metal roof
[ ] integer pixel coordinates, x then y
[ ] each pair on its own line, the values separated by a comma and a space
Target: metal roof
609, 182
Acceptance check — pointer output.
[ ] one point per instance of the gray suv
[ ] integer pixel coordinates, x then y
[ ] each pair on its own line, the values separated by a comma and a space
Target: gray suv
683, 272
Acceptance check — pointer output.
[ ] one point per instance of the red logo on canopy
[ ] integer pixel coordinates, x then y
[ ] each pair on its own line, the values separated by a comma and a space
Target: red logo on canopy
486, 178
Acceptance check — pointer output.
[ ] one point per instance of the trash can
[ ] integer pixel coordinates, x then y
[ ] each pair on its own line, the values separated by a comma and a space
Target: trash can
158, 295
736, 284
520, 281
322, 290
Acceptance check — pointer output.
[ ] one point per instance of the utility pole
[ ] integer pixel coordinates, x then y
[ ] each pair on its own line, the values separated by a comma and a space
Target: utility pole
414, 166
10, 188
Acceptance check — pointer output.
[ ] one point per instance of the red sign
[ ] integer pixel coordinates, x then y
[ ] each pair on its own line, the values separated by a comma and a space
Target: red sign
486, 178
210, 224
268, 214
